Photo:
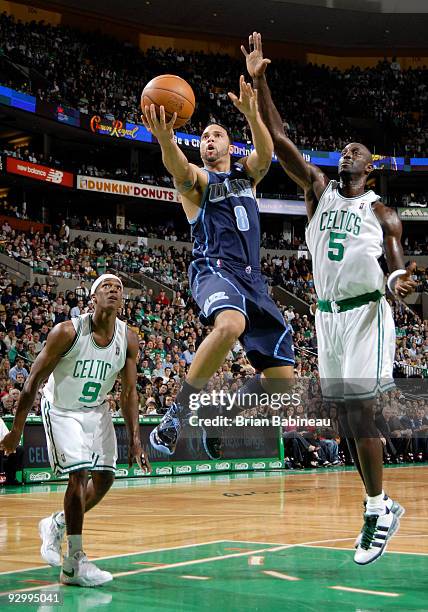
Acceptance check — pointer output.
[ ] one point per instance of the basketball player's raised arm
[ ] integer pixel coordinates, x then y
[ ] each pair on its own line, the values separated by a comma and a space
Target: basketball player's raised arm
189, 180
259, 160
402, 284
309, 177
58, 342
129, 404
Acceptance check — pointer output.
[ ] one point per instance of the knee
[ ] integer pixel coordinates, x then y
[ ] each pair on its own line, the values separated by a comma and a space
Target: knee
103, 483
77, 481
361, 420
230, 326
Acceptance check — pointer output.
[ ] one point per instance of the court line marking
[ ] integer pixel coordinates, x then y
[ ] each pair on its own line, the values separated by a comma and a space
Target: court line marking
196, 577
279, 575
204, 560
196, 561
313, 543
147, 570
141, 552
366, 591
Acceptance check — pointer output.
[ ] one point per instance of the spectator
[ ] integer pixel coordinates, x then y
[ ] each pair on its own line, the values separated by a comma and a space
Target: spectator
189, 354
18, 369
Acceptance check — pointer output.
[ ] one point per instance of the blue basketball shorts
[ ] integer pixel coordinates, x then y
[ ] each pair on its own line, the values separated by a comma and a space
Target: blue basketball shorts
218, 285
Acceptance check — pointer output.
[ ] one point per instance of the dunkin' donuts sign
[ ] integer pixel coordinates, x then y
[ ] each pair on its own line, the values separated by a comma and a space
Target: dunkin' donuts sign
133, 190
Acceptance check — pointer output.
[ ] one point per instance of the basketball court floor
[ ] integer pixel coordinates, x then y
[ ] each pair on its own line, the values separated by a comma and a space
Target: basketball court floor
249, 541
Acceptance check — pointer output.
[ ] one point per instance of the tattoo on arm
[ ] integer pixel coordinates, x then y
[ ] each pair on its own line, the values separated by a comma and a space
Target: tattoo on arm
186, 185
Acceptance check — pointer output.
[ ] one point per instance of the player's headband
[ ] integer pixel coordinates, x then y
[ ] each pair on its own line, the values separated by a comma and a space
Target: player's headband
102, 278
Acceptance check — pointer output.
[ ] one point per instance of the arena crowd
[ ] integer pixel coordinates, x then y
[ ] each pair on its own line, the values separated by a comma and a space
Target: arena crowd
105, 76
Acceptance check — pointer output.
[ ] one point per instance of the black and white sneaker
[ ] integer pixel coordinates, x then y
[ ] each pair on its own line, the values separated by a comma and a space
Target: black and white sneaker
395, 508
375, 535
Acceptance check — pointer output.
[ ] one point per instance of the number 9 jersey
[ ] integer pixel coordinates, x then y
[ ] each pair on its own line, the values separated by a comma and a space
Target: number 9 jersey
86, 373
76, 417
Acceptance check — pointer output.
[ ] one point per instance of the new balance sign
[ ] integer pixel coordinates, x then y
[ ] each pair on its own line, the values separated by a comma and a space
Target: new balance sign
123, 188
39, 173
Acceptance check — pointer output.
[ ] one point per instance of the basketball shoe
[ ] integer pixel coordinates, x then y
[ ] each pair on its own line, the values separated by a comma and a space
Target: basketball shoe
212, 444
51, 533
164, 436
375, 535
79, 571
395, 508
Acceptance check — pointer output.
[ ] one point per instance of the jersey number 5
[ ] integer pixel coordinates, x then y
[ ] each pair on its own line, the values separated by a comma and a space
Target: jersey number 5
336, 248
90, 392
241, 218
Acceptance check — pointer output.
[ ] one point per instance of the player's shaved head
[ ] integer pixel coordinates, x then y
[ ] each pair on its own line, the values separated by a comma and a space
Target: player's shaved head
367, 153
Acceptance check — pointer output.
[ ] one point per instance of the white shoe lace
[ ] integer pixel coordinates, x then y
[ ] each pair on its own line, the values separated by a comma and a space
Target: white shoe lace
56, 533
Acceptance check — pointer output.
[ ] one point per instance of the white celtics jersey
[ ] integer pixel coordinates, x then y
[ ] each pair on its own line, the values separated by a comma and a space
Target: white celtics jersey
87, 372
345, 240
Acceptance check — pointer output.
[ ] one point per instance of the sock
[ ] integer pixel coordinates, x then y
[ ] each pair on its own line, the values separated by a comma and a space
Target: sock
183, 396
59, 518
388, 501
74, 544
376, 504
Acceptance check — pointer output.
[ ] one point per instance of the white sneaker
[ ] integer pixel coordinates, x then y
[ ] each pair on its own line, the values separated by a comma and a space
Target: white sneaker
79, 571
395, 508
376, 533
51, 535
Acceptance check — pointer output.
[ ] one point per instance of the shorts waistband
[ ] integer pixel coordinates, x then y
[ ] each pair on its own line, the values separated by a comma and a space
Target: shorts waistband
348, 303
219, 263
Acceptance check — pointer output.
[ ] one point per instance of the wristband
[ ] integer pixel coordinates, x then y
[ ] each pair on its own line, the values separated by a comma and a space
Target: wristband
392, 277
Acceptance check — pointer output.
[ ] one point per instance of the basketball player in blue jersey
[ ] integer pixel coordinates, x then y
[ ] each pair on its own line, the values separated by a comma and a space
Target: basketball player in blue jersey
226, 282
347, 232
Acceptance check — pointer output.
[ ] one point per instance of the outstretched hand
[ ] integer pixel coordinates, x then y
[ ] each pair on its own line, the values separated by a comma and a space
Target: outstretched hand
158, 127
247, 101
256, 63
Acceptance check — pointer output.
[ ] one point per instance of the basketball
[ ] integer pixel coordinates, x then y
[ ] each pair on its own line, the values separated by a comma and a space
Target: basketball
172, 92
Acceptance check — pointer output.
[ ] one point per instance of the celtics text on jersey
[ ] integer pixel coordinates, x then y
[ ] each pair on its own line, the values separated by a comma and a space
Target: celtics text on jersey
345, 240
87, 372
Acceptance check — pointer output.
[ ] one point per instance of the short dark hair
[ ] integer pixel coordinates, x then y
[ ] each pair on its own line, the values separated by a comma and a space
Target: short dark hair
229, 135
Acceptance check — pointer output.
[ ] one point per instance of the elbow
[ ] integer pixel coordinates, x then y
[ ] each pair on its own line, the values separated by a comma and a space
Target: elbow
279, 138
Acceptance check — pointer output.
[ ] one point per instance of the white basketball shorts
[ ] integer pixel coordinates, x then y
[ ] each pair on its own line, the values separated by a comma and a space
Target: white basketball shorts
356, 351
79, 439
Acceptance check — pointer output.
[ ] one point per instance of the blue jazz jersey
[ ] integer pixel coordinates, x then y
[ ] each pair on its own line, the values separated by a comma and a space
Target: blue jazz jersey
228, 226
226, 275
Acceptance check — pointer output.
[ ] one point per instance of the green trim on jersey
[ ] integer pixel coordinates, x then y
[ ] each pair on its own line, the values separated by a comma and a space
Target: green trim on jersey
101, 348
76, 338
45, 410
86, 465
